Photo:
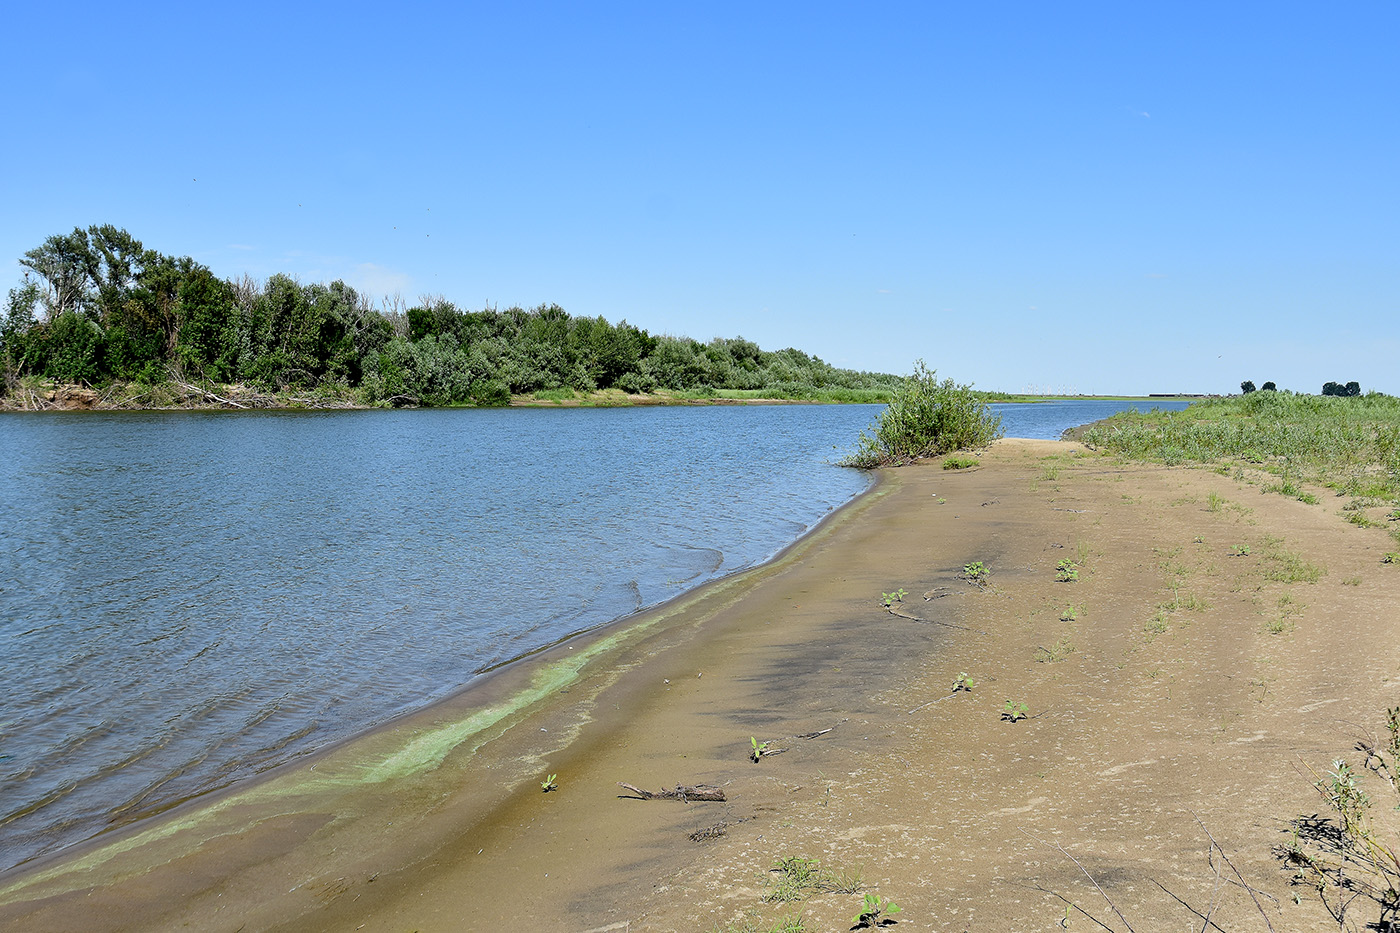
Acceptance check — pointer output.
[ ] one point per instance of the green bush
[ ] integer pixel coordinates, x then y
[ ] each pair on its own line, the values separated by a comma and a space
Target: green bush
925, 418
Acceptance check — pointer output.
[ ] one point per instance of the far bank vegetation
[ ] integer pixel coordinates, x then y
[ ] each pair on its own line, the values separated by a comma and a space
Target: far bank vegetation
99, 310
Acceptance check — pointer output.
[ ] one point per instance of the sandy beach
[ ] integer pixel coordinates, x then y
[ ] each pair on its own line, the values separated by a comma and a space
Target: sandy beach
1214, 644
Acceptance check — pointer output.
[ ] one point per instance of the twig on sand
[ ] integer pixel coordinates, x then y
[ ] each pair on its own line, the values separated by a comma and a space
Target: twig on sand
931, 702
1059, 848
681, 792
904, 615
1244, 884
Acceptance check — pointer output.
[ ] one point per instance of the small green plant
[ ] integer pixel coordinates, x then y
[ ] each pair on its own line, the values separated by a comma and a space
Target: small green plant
800, 877
964, 682
975, 572
1340, 790
759, 749
1360, 520
1067, 571
942, 501
1352, 581
1307, 498
1239, 550
1056, 652
1014, 712
874, 909
889, 599
549, 784
957, 462
1391, 557
1071, 613
797, 877
1214, 502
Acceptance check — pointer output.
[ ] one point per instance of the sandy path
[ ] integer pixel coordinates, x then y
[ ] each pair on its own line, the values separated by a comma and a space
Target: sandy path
1155, 686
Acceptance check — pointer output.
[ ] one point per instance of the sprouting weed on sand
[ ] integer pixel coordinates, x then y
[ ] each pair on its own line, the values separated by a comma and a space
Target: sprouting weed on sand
875, 908
889, 599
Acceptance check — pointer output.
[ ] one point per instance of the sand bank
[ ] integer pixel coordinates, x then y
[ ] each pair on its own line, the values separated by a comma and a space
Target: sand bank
1170, 680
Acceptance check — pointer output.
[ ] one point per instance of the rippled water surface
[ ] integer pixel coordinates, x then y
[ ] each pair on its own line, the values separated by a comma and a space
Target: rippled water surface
191, 598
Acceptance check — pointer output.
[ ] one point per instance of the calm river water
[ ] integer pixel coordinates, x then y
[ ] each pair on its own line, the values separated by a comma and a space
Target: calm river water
187, 599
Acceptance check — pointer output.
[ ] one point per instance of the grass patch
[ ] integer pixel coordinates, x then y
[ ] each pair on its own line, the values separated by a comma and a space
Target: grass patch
959, 462
1349, 444
1360, 520
1285, 566
799, 878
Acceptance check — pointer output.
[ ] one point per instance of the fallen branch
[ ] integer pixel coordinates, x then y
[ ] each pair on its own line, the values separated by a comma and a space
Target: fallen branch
210, 396
681, 792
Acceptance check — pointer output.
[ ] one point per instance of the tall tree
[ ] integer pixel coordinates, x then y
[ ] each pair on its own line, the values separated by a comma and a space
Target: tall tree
63, 263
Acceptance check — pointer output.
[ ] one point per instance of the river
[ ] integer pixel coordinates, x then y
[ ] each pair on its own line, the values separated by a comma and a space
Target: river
190, 598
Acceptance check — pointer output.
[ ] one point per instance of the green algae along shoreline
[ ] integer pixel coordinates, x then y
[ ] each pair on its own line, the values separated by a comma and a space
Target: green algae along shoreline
383, 798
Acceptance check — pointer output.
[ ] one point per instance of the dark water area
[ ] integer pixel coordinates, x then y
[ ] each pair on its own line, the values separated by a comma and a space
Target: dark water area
188, 599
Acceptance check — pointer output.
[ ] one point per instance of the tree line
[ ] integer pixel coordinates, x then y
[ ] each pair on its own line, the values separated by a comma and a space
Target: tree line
1349, 390
96, 306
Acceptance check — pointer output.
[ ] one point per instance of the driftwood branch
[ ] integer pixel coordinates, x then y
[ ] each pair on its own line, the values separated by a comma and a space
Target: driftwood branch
681, 792
904, 615
208, 396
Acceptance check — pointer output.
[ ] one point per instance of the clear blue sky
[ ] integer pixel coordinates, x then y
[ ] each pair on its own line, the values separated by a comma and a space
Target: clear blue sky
1080, 197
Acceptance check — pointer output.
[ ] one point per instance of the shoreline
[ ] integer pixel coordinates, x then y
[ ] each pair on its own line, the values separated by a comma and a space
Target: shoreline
1174, 684
185, 397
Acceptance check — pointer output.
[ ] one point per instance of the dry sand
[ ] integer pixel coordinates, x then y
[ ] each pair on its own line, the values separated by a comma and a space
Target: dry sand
1171, 682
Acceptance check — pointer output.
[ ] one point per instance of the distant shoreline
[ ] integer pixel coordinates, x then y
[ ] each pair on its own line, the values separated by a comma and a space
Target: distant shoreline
179, 396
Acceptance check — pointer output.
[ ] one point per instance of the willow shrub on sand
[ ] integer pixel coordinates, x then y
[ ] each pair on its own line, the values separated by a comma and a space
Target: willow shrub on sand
925, 418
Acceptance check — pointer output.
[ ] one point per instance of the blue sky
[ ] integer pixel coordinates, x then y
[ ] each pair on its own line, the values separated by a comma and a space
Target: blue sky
1082, 197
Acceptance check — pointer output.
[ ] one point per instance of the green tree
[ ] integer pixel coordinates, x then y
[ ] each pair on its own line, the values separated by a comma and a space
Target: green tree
62, 264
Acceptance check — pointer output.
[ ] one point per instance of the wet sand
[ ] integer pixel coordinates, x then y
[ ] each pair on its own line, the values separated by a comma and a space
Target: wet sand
1156, 690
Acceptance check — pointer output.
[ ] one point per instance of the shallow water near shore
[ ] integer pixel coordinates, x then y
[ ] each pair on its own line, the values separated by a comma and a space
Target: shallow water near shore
190, 599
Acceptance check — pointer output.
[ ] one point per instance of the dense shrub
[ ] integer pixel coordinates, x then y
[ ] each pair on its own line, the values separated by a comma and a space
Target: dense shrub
925, 418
